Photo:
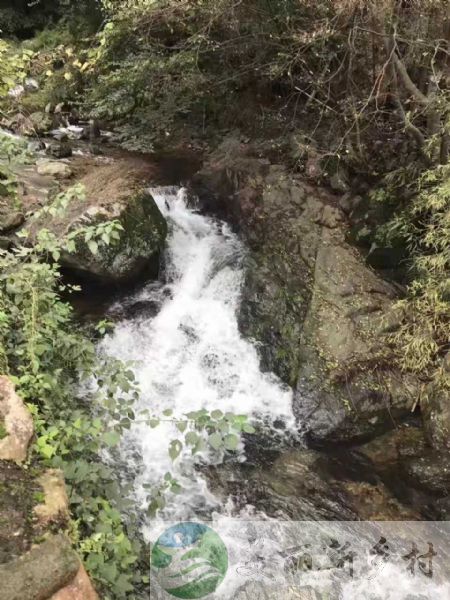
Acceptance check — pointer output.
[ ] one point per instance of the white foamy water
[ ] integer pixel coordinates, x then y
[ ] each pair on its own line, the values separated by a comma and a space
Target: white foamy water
190, 355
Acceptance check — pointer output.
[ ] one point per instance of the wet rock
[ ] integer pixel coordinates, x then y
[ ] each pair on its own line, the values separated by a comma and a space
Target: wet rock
41, 572
55, 506
52, 168
316, 309
17, 423
80, 588
292, 488
309, 485
430, 473
376, 503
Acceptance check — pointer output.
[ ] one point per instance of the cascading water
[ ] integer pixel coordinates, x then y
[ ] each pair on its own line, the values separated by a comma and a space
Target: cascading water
190, 355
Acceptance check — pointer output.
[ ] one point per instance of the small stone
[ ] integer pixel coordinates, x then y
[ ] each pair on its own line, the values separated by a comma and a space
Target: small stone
59, 149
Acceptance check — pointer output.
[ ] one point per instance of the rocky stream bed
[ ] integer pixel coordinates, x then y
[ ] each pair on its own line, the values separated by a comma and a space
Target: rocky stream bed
317, 314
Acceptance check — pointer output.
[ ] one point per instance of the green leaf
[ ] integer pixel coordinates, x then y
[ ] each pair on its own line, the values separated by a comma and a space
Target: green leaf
181, 426
175, 449
249, 428
168, 412
93, 246
217, 414
231, 441
215, 441
111, 438
191, 438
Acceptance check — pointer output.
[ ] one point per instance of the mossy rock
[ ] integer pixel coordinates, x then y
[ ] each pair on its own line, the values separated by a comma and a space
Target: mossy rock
137, 251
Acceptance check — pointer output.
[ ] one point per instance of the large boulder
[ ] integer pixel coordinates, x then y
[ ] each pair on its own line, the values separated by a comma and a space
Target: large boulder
41, 572
319, 313
16, 423
136, 252
80, 588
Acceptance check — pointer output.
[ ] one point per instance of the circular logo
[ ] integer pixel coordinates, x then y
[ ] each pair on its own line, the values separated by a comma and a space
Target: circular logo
189, 560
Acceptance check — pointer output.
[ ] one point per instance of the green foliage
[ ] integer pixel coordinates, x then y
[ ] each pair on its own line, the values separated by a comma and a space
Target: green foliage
424, 225
82, 401
13, 66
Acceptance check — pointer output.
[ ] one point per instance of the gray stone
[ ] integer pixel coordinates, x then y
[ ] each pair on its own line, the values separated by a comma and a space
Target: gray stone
11, 221
41, 572
316, 309
430, 472
137, 250
53, 168
61, 149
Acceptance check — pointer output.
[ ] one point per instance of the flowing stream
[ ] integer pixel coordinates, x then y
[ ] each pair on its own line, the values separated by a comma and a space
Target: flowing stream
188, 354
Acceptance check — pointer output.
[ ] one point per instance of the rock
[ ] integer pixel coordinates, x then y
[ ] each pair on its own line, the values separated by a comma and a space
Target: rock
11, 221
292, 488
80, 588
41, 121
138, 249
316, 309
430, 472
41, 572
330, 217
52, 168
61, 149
55, 507
17, 423
5, 243
306, 485
436, 410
